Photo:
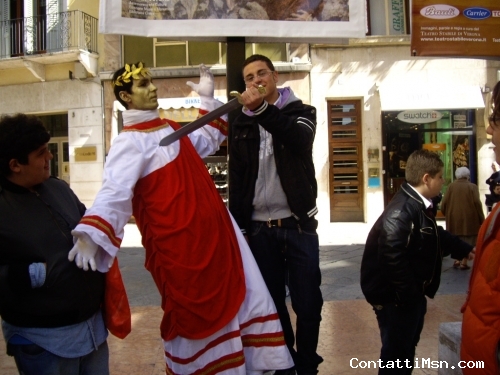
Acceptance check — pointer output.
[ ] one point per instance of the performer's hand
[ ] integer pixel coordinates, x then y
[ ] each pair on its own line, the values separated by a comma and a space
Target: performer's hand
84, 251
206, 85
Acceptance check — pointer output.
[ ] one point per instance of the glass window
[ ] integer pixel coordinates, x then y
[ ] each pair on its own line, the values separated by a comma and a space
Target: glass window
161, 52
204, 52
137, 48
449, 133
275, 51
56, 125
173, 54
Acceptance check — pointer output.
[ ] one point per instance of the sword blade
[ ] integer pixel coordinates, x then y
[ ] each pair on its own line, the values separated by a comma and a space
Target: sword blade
199, 122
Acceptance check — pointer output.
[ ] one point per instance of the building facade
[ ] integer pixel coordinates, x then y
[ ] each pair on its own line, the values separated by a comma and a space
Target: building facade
376, 103
49, 67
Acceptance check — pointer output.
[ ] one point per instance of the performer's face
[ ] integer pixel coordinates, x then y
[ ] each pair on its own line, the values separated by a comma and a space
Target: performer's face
143, 95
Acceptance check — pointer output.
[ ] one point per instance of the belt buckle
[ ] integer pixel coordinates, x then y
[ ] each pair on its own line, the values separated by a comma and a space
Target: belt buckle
270, 224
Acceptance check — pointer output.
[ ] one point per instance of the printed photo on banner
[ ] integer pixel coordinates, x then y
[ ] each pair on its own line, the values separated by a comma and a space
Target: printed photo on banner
262, 20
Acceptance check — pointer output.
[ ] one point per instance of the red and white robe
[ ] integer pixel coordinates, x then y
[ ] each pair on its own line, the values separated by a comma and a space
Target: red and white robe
218, 315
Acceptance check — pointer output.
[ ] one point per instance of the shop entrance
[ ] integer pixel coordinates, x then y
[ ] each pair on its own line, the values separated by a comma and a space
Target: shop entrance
59, 165
450, 133
57, 126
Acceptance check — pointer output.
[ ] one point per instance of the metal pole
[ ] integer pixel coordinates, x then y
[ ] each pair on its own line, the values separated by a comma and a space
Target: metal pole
234, 77
235, 59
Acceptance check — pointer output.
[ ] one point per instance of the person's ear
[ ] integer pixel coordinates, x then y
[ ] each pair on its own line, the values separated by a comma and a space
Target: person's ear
426, 178
14, 165
275, 76
125, 96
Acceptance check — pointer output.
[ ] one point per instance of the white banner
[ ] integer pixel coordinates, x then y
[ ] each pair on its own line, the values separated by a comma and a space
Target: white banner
258, 21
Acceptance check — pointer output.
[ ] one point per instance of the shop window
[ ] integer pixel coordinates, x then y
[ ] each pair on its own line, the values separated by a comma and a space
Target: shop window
449, 133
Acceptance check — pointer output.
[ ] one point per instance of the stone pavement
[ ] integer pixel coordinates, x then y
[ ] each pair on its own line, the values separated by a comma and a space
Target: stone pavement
348, 330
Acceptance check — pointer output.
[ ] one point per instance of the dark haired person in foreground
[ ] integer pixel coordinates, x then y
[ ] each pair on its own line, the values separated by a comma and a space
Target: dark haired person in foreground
401, 264
51, 310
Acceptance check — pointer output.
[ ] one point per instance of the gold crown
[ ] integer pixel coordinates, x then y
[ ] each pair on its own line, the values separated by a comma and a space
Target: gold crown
131, 72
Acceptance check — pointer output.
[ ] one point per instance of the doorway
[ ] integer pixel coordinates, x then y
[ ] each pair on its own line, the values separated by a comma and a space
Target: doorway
346, 178
59, 165
57, 126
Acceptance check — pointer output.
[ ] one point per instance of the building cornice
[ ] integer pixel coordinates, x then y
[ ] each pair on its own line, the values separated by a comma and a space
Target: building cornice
217, 70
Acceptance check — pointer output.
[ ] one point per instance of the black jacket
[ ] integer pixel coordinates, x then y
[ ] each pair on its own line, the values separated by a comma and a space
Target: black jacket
404, 252
36, 227
292, 142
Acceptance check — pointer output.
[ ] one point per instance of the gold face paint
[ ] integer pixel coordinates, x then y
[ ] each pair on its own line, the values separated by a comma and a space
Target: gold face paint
143, 96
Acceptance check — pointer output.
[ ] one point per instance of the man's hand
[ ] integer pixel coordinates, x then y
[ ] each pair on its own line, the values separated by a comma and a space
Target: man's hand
206, 85
253, 97
84, 251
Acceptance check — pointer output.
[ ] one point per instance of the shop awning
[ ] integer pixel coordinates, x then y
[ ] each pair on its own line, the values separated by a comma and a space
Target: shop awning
187, 102
400, 97
182, 110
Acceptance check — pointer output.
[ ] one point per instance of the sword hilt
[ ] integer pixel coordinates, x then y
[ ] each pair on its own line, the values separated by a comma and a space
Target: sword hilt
237, 95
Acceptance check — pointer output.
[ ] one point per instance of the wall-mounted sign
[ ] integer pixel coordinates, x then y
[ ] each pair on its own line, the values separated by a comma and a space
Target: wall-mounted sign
397, 17
373, 154
88, 153
455, 28
419, 117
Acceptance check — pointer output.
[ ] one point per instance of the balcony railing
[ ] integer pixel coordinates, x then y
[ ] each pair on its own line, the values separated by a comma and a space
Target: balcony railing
49, 33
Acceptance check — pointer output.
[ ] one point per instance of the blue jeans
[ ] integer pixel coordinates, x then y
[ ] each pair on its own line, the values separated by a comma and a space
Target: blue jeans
400, 328
34, 360
289, 255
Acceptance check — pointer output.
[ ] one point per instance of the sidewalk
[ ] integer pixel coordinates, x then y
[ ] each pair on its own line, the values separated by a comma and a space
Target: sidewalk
348, 330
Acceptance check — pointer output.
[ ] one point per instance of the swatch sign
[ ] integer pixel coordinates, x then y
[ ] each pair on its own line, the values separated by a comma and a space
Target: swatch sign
419, 117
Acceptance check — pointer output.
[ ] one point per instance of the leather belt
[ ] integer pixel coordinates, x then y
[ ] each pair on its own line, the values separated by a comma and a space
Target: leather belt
287, 222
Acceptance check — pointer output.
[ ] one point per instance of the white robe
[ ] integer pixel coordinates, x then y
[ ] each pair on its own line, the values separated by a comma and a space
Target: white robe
135, 180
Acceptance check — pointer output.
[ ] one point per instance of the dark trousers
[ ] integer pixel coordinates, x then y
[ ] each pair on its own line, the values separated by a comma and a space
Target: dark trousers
291, 255
34, 360
400, 328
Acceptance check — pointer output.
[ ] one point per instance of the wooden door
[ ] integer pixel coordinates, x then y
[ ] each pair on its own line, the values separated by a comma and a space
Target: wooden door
345, 161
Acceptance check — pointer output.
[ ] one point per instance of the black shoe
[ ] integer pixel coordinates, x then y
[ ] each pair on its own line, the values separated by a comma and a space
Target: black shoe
290, 371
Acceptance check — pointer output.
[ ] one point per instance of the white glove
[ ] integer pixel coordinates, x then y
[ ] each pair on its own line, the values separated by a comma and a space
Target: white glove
206, 85
84, 251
